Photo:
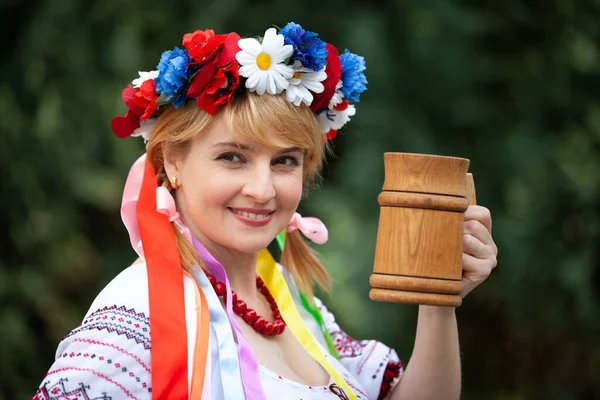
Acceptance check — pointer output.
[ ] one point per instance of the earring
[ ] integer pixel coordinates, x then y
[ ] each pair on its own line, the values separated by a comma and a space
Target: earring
174, 182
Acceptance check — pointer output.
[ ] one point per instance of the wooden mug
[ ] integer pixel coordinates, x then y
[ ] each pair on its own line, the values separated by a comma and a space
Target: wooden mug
418, 256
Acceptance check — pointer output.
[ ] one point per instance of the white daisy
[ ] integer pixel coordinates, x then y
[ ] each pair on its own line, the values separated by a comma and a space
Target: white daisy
338, 96
144, 76
302, 83
145, 129
262, 64
334, 119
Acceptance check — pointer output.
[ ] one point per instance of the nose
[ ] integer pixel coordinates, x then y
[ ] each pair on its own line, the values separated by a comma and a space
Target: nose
260, 185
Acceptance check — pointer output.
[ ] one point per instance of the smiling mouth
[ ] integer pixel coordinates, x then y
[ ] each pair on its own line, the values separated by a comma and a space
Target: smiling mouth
250, 215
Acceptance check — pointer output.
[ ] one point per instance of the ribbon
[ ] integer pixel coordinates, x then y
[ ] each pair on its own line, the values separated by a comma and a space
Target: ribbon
312, 310
248, 363
269, 273
316, 314
201, 349
311, 227
165, 204
131, 194
169, 351
229, 366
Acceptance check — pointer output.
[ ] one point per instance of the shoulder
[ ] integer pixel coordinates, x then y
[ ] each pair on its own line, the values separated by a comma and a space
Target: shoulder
121, 311
109, 352
119, 314
128, 289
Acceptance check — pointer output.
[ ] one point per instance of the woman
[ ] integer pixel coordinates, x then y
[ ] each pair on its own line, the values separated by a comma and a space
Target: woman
236, 131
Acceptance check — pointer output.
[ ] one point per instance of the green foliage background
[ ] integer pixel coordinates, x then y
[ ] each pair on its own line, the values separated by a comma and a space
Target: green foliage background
512, 85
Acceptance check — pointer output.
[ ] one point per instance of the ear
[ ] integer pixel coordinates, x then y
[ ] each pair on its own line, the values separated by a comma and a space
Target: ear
171, 161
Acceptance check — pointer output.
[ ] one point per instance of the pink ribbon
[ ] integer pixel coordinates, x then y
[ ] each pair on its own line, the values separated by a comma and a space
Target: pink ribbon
131, 194
165, 204
312, 228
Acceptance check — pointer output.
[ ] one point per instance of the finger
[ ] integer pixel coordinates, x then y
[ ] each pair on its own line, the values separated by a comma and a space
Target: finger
476, 229
481, 214
476, 248
477, 268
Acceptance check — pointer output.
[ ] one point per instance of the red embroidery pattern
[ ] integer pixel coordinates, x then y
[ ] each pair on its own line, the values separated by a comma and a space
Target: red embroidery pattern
58, 391
346, 345
367, 357
116, 365
82, 352
391, 373
118, 320
98, 343
359, 393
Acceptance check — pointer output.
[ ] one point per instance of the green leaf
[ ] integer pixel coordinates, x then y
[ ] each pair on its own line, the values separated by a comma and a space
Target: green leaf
163, 100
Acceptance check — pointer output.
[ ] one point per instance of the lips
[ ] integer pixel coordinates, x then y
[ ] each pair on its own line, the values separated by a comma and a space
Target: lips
252, 216
251, 213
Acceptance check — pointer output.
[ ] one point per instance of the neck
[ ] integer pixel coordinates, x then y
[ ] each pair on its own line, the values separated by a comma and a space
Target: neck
240, 268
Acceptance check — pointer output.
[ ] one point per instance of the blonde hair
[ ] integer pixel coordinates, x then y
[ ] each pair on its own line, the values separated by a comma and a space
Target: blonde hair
269, 120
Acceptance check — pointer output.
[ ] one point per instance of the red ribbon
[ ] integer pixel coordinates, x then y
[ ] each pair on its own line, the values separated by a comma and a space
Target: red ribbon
165, 288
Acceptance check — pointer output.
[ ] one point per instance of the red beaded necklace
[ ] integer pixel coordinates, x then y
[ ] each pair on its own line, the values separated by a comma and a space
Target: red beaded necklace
259, 323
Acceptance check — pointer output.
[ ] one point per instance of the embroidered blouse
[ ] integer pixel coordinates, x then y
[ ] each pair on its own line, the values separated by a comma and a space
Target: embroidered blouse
108, 355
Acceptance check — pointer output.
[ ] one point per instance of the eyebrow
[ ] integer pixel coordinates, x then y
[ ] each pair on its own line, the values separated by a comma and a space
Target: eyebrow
253, 148
236, 145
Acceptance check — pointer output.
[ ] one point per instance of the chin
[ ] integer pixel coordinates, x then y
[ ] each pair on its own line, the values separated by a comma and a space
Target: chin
248, 245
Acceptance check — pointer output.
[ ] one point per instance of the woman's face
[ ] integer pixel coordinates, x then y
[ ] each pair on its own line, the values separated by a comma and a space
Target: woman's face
236, 197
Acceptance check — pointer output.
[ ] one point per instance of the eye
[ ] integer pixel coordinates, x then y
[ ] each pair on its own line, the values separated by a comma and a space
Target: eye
287, 160
230, 157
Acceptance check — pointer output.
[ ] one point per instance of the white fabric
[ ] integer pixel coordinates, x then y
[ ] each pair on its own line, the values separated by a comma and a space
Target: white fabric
108, 355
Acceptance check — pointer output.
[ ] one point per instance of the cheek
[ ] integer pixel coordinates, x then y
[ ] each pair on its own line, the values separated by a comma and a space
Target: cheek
203, 184
213, 192
290, 191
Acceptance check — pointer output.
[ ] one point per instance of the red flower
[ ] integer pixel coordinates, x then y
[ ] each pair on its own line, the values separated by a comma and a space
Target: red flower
334, 74
220, 88
124, 126
128, 98
218, 77
206, 52
141, 104
146, 98
191, 40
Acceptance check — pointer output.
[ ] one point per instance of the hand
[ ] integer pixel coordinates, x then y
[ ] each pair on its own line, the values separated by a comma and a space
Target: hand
479, 249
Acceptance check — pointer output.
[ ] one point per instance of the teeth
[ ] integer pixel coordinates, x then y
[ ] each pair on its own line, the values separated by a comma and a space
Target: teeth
250, 215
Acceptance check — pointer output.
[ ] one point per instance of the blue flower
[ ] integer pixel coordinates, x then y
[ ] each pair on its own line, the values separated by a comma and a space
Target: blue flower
173, 75
354, 80
308, 48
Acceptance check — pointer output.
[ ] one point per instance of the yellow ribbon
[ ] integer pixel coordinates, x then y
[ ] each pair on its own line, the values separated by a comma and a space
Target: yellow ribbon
269, 273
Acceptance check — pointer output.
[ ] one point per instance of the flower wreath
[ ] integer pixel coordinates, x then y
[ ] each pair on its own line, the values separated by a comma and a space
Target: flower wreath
210, 67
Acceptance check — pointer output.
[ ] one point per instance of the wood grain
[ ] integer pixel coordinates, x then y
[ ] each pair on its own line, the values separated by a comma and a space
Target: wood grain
431, 299
470, 190
415, 284
423, 201
421, 243
425, 174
